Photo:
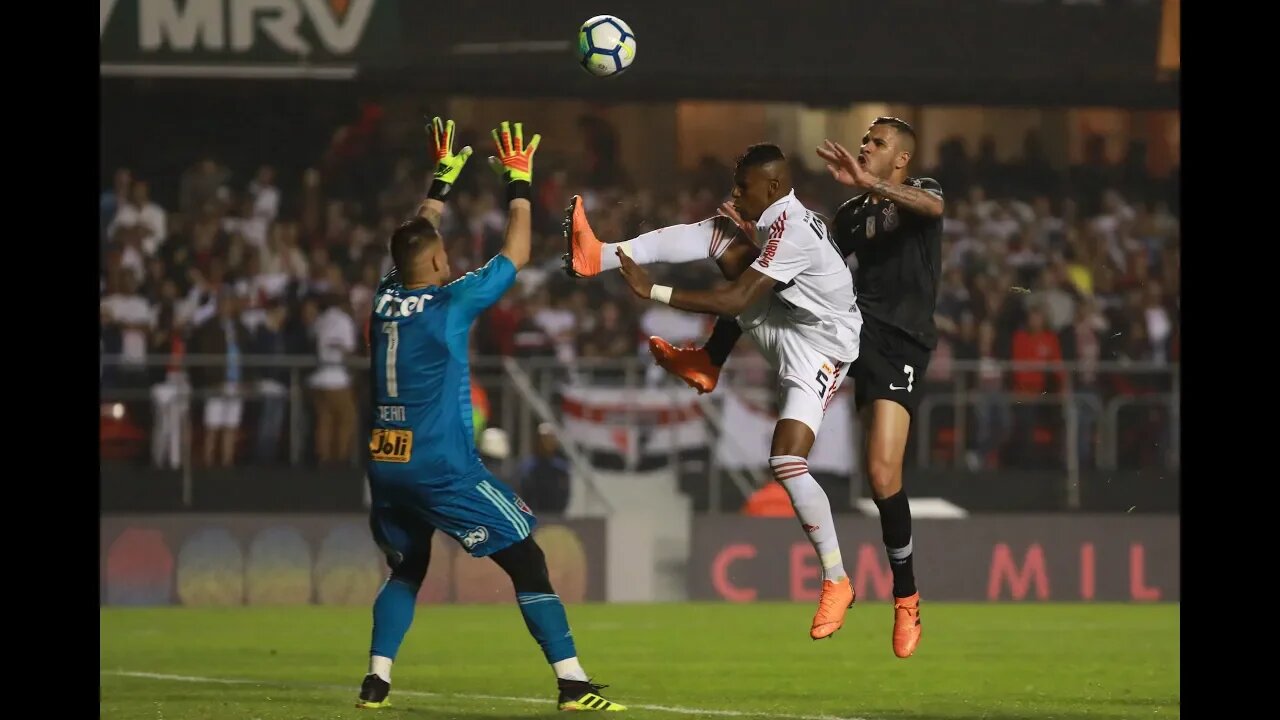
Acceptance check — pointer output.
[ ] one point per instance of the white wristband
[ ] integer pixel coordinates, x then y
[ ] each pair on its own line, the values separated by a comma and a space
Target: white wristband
661, 293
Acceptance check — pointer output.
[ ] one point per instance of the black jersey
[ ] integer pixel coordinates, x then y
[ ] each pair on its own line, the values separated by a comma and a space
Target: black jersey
899, 261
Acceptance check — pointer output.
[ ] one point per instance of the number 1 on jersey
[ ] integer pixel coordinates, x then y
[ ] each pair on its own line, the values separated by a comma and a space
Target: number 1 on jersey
393, 343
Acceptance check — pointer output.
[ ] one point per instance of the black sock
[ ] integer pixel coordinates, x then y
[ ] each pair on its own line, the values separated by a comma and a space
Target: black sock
895, 529
723, 337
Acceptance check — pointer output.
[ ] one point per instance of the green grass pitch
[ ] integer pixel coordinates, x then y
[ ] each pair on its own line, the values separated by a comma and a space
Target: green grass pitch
666, 661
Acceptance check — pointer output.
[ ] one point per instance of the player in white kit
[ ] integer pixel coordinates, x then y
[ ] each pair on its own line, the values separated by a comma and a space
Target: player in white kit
792, 294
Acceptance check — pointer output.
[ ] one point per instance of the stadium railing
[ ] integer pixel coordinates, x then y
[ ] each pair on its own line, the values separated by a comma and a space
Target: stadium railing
1128, 415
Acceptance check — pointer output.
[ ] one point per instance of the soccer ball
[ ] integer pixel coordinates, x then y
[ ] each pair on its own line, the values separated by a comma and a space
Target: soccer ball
606, 46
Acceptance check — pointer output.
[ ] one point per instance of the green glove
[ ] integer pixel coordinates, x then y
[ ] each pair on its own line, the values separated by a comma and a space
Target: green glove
448, 165
514, 161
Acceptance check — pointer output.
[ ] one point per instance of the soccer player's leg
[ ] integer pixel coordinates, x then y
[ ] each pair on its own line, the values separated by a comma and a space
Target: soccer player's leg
582, 258
808, 381
544, 615
700, 367
586, 255
886, 394
489, 520
404, 536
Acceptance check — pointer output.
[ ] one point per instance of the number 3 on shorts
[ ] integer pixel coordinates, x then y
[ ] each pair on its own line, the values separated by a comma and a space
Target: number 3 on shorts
911, 378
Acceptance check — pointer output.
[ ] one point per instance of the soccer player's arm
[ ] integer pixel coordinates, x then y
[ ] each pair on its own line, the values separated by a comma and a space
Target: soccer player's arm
514, 163
922, 196
448, 167
781, 260
518, 240
476, 291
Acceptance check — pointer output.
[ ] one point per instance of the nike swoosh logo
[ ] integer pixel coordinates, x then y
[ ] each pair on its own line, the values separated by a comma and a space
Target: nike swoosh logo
895, 387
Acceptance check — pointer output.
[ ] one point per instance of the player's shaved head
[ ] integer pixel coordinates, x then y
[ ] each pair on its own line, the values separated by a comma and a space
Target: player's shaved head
413, 247
888, 147
905, 134
761, 175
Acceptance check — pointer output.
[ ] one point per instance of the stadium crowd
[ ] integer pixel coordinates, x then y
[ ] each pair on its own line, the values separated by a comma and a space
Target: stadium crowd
1076, 264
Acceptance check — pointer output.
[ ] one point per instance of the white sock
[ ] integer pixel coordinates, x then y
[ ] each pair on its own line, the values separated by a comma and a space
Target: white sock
569, 669
380, 666
814, 510
673, 244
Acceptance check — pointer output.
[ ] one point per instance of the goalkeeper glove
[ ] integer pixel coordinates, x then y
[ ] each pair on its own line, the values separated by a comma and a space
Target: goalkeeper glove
514, 161
448, 165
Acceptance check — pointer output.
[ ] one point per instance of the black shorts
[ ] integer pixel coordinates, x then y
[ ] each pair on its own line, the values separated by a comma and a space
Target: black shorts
890, 366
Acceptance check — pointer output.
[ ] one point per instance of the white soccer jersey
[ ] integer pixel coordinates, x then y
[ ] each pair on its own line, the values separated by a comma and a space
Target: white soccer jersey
814, 284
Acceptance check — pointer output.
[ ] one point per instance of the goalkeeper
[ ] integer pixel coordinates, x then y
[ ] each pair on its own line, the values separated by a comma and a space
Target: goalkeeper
423, 468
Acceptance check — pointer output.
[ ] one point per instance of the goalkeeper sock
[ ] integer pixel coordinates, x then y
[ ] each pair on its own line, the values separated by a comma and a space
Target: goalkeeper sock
380, 666
392, 616
673, 244
813, 509
545, 617
569, 669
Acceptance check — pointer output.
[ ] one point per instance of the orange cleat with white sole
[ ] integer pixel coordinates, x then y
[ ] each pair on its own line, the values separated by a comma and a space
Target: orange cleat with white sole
690, 364
906, 625
583, 257
835, 601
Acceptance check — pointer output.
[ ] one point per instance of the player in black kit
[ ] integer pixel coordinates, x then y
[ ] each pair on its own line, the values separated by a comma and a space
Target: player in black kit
894, 227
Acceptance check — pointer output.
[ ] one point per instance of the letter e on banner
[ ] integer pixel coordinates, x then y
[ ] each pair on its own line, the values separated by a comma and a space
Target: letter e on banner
873, 568
804, 569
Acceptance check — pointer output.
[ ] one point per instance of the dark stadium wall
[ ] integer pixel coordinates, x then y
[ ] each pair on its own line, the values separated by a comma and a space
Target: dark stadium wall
972, 52
133, 489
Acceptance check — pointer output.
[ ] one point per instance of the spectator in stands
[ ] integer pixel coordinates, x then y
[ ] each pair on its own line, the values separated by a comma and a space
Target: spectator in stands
543, 478
333, 398
110, 201
222, 336
1034, 343
203, 187
270, 338
494, 448
1081, 343
127, 319
144, 221
993, 417
171, 388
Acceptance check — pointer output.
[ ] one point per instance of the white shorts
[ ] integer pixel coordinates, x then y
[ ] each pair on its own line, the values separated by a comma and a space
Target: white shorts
807, 379
223, 411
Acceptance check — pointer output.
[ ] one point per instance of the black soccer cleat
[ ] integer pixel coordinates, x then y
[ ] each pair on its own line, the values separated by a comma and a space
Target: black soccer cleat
582, 695
373, 693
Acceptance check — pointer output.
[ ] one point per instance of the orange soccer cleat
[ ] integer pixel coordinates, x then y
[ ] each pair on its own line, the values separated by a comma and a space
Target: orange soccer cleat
835, 601
690, 364
906, 625
583, 257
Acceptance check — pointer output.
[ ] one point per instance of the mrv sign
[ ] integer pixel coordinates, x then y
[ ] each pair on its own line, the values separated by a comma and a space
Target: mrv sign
244, 38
